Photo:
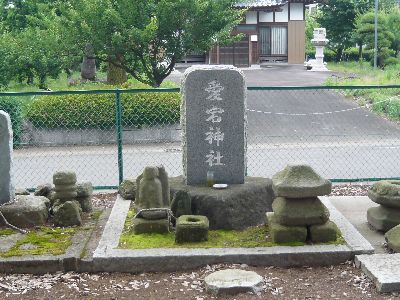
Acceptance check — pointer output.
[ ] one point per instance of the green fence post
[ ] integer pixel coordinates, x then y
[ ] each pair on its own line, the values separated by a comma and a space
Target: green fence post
118, 114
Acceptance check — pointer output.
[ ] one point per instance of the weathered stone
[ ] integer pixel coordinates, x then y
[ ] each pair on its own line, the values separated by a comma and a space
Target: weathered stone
190, 228
213, 119
324, 233
393, 238
383, 218
181, 204
43, 189
84, 189
233, 281
88, 66
154, 214
138, 179
67, 214
127, 189
150, 226
293, 212
282, 234
300, 181
64, 178
150, 190
163, 176
65, 188
237, 207
386, 192
7, 188
85, 203
22, 192
26, 211
66, 195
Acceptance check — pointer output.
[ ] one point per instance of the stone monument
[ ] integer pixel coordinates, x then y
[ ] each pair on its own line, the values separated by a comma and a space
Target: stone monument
213, 119
387, 215
319, 41
299, 214
7, 189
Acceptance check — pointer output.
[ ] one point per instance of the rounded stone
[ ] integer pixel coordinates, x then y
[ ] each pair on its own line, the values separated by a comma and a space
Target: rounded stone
66, 195
127, 189
65, 188
386, 193
300, 181
84, 189
383, 218
393, 238
233, 281
64, 177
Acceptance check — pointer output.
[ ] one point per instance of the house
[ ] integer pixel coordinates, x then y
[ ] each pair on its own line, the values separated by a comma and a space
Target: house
274, 31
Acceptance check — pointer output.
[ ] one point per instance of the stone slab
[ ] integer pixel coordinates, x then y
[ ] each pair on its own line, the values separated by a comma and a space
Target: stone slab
383, 269
233, 281
7, 188
237, 207
109, 258
213, 119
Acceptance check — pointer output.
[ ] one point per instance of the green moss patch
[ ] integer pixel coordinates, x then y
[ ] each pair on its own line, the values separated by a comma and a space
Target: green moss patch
44, 240
250, 238
7, 231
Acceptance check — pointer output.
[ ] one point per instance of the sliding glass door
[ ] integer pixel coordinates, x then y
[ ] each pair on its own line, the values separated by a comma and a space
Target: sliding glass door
273, 40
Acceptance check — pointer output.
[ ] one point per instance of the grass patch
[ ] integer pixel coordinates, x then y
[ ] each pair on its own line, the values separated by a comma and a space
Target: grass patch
249, 238
7, 231
384, 101
45, 240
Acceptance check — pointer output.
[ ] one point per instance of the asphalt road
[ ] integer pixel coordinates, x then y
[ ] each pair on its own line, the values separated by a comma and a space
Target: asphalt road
321, 128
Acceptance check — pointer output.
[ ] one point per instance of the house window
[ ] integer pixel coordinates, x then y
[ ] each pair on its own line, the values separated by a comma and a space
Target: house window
273, 40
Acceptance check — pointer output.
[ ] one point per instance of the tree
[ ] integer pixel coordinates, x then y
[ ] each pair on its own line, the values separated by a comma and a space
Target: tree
311, 23
147, 37
338, 17
365, 31
394, 26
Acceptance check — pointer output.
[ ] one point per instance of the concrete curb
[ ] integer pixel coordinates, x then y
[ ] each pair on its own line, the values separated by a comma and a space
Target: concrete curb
383, 269
107, 258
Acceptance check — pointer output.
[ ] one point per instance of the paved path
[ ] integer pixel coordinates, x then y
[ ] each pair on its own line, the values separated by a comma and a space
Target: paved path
340, 141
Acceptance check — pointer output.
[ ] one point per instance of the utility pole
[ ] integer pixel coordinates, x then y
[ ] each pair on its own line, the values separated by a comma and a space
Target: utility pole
376, 34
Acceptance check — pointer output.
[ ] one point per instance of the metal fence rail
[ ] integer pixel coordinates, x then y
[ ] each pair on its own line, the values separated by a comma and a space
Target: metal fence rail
321, 126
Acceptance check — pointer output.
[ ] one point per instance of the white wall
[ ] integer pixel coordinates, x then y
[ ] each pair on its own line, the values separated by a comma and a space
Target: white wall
296, 11
251, 17
282, 16
266, 16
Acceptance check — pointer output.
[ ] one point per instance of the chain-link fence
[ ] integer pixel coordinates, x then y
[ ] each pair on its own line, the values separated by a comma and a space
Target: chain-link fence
345, 133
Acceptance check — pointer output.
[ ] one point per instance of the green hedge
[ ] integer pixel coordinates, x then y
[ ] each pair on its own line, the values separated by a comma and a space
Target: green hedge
13, 107
98, 111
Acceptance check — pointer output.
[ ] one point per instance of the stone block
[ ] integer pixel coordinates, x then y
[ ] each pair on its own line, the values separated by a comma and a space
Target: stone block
300, 181
43, 189
233, 281
7, 187
296, 212
64, 178
282, 234
84, 189
191, 228
26, 211
324, 233
85, 203
393, 238
213, 119
67, 214
127, 189
140, 226
237, 207
383, 218
386, 193
153, 214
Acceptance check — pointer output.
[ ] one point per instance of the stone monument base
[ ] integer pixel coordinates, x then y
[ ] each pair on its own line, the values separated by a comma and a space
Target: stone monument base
235, 208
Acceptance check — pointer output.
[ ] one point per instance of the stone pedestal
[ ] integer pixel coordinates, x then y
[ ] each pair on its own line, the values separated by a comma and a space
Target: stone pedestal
319, 41
213, 119
7, 189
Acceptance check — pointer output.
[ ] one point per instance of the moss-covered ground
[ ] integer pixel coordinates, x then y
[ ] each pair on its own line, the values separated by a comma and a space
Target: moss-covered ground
249, 238
48, 239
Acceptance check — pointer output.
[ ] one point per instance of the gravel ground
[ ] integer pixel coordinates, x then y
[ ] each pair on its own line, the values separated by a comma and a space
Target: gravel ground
334, 282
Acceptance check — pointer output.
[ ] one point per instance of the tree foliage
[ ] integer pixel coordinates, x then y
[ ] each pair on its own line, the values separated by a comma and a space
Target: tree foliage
147, 37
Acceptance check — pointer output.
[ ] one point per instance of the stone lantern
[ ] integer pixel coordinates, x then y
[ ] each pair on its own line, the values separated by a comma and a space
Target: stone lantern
319, 41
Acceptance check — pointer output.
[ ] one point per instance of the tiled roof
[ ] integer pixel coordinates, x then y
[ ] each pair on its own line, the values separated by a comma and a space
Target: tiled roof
260, 3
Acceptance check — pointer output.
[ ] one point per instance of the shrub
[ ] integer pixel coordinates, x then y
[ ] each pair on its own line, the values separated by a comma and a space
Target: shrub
351, 54
98, 110
13, 107
392, 61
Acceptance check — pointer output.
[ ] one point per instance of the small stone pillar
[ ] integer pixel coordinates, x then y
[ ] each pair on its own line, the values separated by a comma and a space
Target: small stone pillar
319, 41
7, 189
